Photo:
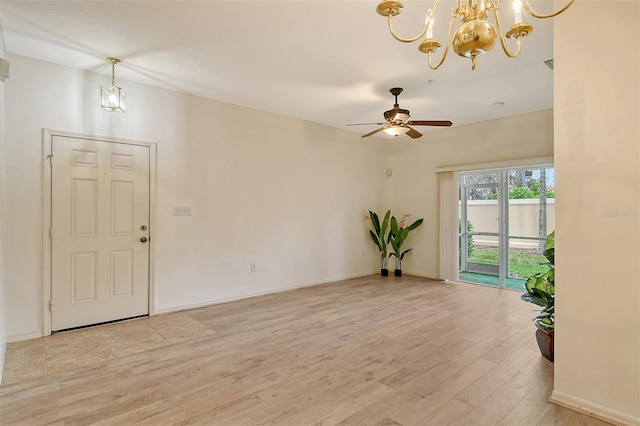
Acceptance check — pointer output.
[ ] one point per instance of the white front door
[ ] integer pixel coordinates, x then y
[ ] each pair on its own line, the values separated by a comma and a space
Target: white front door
100, 231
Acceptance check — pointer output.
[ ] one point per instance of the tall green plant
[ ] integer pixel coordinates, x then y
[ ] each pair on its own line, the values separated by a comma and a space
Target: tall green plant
541, 288
398, 235
379, 235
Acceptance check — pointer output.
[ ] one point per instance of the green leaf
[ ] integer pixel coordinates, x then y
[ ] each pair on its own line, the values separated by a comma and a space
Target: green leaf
551, 241
385, 222
405, 252
394, 226
374, 237
415, 224
375, 221
532, 299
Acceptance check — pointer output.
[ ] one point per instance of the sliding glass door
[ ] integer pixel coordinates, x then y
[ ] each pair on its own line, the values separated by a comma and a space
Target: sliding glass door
503, 222
479, 226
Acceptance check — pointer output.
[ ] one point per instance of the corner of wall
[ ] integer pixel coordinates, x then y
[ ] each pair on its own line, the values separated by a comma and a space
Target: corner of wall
3, 339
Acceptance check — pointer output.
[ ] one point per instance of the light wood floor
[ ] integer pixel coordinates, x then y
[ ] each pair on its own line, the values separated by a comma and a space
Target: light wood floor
366, 351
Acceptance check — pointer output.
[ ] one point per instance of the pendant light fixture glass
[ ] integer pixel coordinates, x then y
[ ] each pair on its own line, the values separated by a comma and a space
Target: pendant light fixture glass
396, 130
113, 99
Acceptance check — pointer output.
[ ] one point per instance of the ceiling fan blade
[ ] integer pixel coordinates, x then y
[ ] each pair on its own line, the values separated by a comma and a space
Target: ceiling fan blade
374, 132
364, 124
442, 123
413, 133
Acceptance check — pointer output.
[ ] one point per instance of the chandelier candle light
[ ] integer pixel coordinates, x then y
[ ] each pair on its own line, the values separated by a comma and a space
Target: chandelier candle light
476, 35
113, 98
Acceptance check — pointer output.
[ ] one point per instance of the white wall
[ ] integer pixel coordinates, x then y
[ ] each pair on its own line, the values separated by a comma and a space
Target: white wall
413, 188
597, 159
284, 194
3, 340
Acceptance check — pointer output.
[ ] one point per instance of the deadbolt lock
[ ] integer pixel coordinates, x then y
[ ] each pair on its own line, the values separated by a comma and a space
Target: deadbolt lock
143, 227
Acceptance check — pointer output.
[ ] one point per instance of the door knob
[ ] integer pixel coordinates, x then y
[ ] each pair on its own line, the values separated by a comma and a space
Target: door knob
143, 239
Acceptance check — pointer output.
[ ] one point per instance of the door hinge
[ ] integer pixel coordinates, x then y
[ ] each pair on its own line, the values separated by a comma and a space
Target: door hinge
51, 232
50, 306
50, 158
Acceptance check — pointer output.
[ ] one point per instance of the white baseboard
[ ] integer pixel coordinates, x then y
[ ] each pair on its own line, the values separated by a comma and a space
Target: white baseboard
593, 409
415, 274
212, 302
25, 335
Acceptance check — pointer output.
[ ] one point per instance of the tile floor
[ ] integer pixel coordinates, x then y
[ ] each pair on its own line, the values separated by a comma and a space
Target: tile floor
93, 345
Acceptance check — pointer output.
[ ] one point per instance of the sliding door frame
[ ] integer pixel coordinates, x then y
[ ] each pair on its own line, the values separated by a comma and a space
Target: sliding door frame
448, 252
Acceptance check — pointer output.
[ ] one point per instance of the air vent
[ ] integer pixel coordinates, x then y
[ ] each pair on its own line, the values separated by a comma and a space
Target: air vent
549, 63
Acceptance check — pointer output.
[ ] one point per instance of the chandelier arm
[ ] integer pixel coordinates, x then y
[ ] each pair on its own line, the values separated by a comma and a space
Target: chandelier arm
446, 50
503, 43
404, 40
543, 16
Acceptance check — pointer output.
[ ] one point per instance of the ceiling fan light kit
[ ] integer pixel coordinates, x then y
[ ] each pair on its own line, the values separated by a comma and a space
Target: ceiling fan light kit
113, 99
398, 122
396, 130
476, 34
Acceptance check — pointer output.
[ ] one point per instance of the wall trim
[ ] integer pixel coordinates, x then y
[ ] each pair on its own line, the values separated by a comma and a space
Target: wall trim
25, 335
415, 274
592, 409
519, 162
213, 302
47, 135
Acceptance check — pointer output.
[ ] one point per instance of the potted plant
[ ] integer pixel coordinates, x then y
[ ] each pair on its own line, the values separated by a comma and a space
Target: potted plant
397, 236
541, 290
380, 237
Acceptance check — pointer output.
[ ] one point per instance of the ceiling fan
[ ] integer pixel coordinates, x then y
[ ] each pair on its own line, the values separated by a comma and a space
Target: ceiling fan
398, 122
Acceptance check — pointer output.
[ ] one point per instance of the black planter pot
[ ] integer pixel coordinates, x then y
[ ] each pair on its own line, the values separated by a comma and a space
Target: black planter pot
397, 272
545, 343
384, 272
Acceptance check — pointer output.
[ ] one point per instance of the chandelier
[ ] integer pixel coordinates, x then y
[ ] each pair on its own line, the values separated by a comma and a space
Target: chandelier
476, 35
112, 98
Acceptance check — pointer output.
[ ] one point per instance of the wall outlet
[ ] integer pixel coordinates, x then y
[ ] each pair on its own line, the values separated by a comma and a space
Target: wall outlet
182, 210
253, 267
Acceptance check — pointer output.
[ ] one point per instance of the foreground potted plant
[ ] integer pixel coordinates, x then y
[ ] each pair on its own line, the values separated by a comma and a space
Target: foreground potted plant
541, 291
397, 236
379, 235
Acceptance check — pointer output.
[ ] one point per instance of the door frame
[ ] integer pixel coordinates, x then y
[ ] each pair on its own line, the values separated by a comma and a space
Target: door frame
504, 203
449, 191
464, 232
47, 136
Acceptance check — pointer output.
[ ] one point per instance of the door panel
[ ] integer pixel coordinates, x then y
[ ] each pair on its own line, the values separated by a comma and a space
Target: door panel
100, 206
83, 277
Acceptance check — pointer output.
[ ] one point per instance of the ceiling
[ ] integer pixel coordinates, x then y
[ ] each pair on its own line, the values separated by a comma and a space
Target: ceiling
329, 62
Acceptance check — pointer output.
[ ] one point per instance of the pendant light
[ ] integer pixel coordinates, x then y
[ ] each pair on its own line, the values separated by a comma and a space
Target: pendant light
113, 98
